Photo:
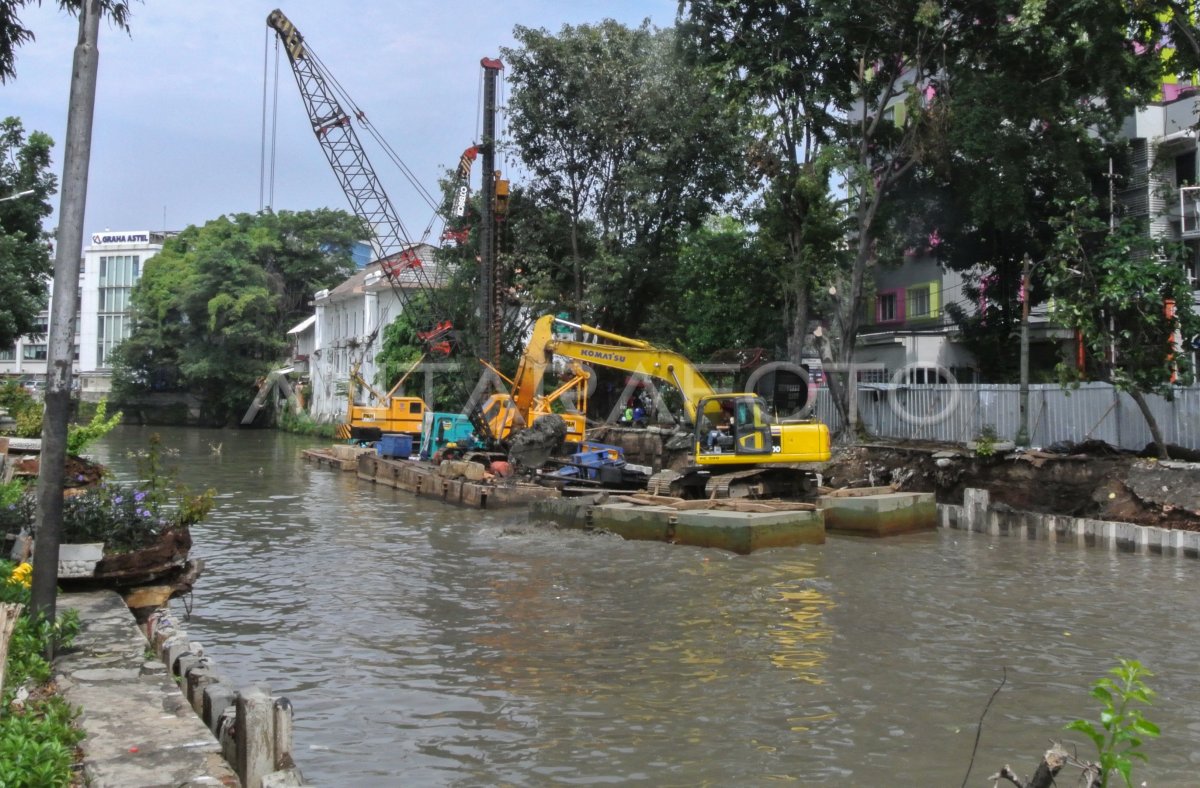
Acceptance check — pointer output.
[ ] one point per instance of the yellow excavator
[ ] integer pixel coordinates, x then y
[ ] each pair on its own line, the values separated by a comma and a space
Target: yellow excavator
505, 416
739, 449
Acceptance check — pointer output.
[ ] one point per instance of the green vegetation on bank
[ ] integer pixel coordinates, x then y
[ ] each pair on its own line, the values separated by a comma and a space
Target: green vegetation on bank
37, 733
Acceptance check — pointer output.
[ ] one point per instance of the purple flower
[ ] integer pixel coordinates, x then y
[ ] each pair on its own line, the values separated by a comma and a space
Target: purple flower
118, 499
79, 477
139, 496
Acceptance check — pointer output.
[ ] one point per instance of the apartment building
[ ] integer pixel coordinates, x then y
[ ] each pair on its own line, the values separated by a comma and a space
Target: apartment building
112, 264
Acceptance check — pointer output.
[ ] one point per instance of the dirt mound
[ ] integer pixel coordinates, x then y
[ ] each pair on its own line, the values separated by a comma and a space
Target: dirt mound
1103, 485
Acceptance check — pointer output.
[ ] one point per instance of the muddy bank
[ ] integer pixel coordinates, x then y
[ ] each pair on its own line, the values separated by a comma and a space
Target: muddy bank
1098, 484
1090, 480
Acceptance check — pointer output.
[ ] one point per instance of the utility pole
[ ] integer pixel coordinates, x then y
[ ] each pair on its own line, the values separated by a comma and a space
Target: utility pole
68, 249
489, 288
1023, 430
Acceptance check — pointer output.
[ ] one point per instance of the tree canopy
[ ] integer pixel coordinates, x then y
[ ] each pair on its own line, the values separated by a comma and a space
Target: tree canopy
24, 245
13, 32
630, 146
1129, 299
213, 308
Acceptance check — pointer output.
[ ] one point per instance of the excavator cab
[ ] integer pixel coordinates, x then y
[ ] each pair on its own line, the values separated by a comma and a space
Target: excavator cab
732, 424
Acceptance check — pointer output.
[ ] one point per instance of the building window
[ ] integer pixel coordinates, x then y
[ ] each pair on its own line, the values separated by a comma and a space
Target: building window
118, 274
918, 302
34, 353
9, 355
110, 331
885, 307
925, 376
873, 375
1185, 169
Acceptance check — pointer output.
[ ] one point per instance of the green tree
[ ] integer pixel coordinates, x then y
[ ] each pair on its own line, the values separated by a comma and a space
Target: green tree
909, 95
715, 305
1113, 286
629, 145
13, 32
1033, 130
213, 307
786, 73
24, 247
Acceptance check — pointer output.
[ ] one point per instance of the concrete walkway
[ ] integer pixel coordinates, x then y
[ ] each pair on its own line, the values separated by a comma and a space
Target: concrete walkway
140, 729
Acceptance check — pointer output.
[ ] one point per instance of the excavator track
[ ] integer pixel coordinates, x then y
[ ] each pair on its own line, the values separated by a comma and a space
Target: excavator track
661, 483
762, 483
698, 482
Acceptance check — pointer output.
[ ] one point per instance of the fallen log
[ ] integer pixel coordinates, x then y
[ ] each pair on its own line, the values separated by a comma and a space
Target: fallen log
1052, 763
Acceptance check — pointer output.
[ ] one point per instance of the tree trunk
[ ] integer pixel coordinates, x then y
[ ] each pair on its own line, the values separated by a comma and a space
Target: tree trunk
68, 250
1160, 445
838, 392
799, 325
10, 612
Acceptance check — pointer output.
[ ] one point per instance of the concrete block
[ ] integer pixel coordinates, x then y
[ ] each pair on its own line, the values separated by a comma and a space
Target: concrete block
282, 732
185, 664
287, 778
564, 512
197, 680
885, 514
218, 703
225, 731
976, 503
745, 532
652, 523
255, 735
172, 649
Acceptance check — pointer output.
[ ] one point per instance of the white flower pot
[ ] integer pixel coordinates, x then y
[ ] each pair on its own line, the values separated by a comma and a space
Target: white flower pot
79, 560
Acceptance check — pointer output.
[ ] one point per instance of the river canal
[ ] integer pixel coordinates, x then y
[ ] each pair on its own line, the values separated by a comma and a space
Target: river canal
423, 644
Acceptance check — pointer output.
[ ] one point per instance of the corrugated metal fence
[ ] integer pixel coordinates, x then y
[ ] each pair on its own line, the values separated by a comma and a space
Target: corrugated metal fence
958, 413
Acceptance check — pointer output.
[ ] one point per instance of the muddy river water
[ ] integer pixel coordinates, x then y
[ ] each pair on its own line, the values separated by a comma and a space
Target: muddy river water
423, 644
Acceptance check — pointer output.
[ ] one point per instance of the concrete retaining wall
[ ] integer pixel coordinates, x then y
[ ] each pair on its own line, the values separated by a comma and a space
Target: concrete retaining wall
253, 727
978, 515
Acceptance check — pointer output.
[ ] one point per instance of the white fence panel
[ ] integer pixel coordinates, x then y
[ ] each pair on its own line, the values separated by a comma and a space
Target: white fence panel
959, 413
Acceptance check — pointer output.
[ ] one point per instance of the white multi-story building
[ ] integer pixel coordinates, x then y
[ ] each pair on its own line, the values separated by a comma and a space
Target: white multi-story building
112, 264
346, 330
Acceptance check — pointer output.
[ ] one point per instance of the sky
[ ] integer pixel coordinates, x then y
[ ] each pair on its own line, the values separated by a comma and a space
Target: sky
178, 129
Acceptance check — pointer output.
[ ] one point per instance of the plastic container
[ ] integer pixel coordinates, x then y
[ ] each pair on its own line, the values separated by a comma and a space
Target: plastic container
395, 444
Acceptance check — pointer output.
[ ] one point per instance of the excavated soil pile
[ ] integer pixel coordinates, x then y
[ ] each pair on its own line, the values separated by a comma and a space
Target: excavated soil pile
1089, 480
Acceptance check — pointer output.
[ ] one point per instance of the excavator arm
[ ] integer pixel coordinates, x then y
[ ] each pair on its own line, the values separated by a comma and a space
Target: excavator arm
615, 351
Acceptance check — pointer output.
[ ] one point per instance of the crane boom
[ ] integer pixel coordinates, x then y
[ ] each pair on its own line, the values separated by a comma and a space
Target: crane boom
333, 128
339, 142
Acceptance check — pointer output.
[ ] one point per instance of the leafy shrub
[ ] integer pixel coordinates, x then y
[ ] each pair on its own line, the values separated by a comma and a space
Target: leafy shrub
37, 740
80, 436
37, 744
1122, 727
985, 441
29, 422
14, 398
124, 518
17, 507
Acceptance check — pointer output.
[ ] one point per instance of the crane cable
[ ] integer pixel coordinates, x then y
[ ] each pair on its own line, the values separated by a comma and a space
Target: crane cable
427, 287
365, 122
422, 279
